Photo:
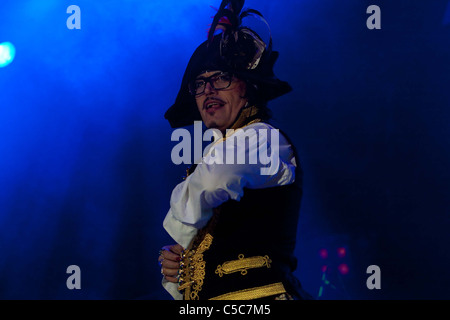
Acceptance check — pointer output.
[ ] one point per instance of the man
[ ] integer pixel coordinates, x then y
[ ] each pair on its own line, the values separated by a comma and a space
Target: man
234, 223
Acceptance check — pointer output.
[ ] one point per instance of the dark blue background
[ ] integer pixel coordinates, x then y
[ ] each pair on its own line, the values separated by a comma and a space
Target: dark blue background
85, 167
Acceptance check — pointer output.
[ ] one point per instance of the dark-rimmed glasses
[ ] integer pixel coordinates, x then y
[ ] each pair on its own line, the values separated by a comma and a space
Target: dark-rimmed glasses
218, 81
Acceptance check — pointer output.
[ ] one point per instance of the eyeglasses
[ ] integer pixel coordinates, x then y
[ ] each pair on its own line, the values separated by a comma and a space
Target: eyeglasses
218, 81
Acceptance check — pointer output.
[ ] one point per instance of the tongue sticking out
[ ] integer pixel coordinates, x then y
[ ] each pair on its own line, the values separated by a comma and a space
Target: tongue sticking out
213, 105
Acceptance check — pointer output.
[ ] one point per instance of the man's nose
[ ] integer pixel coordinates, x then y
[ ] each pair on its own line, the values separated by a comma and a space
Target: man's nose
209, 88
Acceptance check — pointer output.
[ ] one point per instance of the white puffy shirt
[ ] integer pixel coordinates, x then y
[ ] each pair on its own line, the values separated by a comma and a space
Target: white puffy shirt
216, 180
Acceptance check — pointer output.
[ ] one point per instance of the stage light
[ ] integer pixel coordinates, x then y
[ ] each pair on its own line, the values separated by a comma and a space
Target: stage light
323, 253
7, 53
341, 252
343, 268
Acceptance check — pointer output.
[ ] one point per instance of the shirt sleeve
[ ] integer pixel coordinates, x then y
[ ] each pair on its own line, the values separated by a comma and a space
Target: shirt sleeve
224, 173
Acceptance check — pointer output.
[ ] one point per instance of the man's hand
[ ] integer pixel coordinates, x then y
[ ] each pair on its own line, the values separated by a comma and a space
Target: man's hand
169, 260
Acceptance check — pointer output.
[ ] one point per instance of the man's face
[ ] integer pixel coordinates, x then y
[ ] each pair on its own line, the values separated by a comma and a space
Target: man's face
219, 108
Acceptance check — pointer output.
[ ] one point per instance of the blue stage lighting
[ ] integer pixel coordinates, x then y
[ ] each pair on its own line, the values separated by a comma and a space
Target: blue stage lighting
7, 53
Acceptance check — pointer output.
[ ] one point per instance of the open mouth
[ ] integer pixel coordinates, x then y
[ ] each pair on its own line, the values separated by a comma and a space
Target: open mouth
212, 104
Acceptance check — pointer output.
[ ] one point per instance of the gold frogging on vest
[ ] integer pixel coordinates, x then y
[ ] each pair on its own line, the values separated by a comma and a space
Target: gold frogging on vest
192, 272
243, 264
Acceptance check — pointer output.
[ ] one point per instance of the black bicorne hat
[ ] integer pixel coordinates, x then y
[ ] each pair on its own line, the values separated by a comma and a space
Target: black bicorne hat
238, 50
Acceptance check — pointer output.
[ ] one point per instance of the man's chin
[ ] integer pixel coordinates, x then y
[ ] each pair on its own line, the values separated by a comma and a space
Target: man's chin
215, 126
212, 125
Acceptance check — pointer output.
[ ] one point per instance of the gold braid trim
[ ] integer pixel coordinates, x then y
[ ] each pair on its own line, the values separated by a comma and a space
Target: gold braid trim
193, 269
243, 264
253, 293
